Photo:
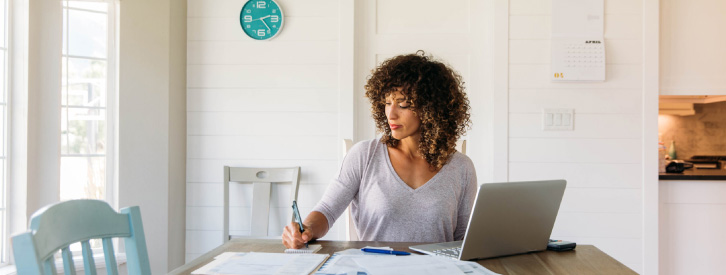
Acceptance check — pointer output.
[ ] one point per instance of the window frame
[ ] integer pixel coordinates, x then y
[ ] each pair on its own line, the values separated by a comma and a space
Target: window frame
4, 230
19, 198
111, 92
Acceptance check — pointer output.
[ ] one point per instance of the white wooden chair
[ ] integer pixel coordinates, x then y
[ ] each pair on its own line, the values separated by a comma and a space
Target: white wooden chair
261, 180
57, 226
351, 233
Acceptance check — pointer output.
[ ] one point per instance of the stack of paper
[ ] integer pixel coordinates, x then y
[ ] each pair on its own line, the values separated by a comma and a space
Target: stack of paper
356, 262
262, 264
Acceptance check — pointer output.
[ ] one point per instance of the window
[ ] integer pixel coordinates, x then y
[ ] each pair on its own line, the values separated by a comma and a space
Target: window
3, 127
87, 97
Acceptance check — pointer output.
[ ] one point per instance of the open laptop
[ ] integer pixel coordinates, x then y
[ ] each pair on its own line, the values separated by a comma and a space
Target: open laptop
508, 218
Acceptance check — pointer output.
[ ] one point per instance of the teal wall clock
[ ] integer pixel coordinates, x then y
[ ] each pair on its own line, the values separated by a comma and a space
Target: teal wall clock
261, 19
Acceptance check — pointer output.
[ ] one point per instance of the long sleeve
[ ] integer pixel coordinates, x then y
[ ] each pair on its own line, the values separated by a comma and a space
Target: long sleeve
466, 203
346, 184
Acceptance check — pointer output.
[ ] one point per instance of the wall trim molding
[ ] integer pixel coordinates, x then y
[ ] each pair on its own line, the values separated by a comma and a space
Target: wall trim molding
651, 40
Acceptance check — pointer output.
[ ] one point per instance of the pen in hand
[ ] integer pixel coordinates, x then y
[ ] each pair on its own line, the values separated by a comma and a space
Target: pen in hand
298, 220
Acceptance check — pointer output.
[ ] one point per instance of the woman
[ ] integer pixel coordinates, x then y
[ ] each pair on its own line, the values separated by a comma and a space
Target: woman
410, 185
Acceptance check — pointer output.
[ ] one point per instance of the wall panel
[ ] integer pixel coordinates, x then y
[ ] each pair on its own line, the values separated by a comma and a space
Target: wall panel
258, 104
581, 175
601, 158
574, 150
393, 17
255, 53
584, 100
262, 147
586, 126
262, 76
262, 99
261, 124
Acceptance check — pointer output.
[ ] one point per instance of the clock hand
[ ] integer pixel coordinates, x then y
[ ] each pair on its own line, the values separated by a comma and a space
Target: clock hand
263, 17
263, 22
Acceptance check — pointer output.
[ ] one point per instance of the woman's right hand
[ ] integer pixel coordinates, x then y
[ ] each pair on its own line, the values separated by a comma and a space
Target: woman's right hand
292, 238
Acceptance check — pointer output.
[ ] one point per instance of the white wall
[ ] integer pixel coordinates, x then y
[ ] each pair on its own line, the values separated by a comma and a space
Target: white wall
459, 38
151, 81
18, 210
259, 104
43, 152
601, 158
242, 111
177, 133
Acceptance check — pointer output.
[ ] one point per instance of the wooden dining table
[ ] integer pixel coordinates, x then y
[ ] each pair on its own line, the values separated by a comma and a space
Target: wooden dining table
585, 259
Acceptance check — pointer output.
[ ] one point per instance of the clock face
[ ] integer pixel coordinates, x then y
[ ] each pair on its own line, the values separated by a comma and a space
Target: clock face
261, 19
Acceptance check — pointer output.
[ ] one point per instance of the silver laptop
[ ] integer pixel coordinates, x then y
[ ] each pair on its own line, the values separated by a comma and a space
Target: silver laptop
508, 218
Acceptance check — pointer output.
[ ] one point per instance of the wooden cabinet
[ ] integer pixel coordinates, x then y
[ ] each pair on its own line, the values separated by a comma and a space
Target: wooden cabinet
693, 47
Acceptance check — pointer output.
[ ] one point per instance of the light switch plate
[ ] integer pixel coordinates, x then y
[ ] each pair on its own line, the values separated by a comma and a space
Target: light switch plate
558, 119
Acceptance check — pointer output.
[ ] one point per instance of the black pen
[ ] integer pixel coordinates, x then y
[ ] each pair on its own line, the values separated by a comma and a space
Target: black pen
296, 213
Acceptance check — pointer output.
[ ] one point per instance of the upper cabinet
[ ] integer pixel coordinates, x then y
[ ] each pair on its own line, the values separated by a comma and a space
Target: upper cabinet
693, 47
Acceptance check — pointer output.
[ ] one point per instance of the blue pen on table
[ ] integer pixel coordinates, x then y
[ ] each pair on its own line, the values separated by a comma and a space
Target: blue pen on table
383, 251
298, 220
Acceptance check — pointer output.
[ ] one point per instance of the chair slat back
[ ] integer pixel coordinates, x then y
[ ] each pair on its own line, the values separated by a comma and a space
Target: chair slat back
68, 266
57, 226
111, 265
261, 179
48, 267
89, 264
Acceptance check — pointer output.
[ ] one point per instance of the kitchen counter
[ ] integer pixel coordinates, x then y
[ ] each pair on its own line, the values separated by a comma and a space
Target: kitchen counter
695, 174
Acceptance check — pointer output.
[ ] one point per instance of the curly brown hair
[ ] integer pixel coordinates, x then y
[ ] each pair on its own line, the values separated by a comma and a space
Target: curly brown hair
436, 96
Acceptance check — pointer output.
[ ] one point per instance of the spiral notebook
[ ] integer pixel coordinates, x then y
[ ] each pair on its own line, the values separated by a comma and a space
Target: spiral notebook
310, 249
242, 263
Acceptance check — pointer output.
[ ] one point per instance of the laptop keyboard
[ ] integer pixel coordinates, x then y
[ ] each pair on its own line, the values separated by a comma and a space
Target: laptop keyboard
449, 252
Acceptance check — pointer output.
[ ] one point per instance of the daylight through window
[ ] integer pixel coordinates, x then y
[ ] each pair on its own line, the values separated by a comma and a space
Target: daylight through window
86, 86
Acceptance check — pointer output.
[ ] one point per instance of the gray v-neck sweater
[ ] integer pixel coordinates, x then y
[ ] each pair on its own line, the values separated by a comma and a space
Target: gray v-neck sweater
385, 208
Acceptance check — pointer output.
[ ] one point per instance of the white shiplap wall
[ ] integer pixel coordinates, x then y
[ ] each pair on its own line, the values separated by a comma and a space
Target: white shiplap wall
601, 158
258, 104
456, 37
277, 103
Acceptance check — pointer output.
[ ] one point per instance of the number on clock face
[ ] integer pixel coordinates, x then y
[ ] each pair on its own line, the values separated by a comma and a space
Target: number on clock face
261, 19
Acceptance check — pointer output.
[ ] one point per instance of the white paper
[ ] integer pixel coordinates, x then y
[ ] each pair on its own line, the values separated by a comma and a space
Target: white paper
473, 268
263, 263
577, 18
403, 265
344, 263
226, 255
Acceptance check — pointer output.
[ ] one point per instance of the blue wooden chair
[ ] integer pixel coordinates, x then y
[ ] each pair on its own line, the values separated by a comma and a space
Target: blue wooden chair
57, 226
